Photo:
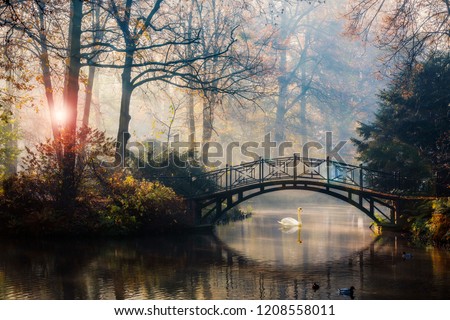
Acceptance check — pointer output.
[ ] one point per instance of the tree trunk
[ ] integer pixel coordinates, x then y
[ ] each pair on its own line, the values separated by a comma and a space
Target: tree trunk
208, 117
191, 124
46, 77
304, 87
191, 102
88, 100
282, 95
303, 124
71, 88
123, 134
91, 76
11, 144
283, 82
11, 147
96, 103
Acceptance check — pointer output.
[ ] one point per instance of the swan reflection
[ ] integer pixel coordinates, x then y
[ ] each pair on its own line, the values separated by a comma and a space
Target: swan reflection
291, 230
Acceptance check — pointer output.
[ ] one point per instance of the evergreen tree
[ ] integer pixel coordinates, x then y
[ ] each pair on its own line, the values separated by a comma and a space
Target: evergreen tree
410, 133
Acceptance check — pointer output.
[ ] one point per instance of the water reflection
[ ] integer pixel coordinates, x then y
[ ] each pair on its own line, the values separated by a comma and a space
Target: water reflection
252, 259
293, 229
328, 233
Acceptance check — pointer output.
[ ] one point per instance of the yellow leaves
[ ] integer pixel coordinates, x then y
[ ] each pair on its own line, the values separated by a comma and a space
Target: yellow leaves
83, 79
39, 78
129, 181
133, 197
147, 36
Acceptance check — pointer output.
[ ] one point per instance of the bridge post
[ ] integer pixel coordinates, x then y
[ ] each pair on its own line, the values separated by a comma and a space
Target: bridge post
218, 208
261, 169
229, 201
194, 212
230, 183
191, 187
361, 177
328, 173
394, 211
396, 180
226, 176
295, 166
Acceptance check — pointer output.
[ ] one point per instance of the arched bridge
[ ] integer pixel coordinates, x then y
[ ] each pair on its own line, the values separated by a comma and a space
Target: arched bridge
375, 193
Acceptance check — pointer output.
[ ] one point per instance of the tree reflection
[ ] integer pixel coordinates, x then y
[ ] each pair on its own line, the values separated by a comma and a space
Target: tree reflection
185, 267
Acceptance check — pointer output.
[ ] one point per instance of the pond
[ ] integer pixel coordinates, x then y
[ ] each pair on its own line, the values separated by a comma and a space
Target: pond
251, 259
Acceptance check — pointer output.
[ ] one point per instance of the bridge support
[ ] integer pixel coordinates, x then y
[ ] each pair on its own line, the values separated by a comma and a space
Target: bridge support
194, 212
219, 207
394, 212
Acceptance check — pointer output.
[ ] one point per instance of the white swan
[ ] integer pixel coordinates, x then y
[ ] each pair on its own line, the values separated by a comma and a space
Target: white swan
288, 222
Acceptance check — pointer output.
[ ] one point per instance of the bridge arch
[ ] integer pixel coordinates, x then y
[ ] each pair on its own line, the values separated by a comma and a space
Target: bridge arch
211, 209
211, 194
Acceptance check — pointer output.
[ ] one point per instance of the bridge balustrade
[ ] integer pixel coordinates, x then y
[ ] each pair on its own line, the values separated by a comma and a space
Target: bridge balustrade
299, 168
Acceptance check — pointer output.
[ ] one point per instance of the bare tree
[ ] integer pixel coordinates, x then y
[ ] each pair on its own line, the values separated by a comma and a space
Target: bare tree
406, 29
149, 38
33, 27
289, 54
234, 75
97, 26
70, 93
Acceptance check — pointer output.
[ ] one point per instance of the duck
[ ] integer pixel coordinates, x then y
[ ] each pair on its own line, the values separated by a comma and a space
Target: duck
347, 291
315, 286
287, 222
406, 256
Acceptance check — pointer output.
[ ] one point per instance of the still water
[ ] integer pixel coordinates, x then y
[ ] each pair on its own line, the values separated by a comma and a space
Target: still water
251, 259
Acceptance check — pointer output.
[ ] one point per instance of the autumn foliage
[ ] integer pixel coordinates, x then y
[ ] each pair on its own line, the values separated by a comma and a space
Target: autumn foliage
108, 200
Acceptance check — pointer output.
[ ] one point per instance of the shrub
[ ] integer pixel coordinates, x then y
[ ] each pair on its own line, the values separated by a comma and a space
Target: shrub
434, 227
143, 205
107, 200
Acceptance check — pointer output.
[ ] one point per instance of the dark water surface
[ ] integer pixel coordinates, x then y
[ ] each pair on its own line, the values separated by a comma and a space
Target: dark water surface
252, 259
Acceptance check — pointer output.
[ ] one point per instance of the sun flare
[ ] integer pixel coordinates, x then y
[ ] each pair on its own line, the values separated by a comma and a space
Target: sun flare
60, 116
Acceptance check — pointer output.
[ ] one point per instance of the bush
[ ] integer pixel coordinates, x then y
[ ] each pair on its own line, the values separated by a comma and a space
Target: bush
107, 200
143, 205
434, 227
439, 223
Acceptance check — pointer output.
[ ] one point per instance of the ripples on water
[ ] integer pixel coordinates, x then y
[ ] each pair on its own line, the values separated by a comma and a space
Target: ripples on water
251, 259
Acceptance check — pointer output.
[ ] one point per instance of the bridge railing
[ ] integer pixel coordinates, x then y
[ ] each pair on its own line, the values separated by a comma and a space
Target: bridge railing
296, 168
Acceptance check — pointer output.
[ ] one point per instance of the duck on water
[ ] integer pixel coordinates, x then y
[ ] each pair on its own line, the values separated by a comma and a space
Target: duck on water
347, 291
